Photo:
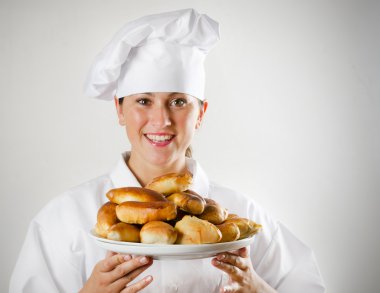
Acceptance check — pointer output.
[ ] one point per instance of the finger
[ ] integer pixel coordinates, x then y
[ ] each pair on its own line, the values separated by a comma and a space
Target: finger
243, 252
138, 286
233, 271
130, 265
233, 260
121, 283
110, 253
112, 262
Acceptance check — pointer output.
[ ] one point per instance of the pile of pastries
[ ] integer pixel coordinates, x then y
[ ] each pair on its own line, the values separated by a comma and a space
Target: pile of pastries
166, 211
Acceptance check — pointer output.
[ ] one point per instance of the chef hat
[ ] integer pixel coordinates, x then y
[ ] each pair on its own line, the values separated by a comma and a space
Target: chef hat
156, 53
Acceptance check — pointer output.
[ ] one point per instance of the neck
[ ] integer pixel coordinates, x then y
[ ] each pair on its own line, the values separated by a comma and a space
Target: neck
145, 171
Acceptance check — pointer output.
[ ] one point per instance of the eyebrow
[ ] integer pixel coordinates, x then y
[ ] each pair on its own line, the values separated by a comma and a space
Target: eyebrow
171, 93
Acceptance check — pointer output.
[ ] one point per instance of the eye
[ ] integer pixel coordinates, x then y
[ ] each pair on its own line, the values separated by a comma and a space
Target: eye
178, 102
143, 101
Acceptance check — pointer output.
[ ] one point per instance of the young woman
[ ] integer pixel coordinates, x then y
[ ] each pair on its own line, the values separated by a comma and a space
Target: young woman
153, 70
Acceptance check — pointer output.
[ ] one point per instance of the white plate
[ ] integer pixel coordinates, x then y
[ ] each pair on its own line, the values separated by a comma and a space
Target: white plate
174, 251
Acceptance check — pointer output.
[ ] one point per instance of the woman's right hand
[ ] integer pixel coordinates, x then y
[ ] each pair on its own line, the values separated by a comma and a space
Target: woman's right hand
115, 272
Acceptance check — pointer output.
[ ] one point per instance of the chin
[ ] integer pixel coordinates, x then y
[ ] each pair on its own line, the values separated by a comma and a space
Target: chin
163, 158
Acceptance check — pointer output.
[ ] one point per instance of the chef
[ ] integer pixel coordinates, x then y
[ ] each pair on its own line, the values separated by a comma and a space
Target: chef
153, 71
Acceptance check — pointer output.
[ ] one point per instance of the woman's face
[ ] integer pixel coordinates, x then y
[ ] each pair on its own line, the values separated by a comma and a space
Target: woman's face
160, 126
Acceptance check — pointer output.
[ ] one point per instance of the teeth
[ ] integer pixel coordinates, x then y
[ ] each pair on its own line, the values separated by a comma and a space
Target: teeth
159, 138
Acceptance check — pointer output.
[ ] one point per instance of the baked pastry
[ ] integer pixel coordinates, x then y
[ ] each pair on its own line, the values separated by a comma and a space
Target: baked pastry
119, 195
246, 227
213, 212
124, 232
158, 232
106, 217
230, 232
192, 230
171, 183
188, 202
133, 212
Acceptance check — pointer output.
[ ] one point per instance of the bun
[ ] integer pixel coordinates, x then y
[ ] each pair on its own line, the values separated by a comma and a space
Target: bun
158, 232
171, 183
246, 227
188, 202
133, 212
230, 232
119, 195
192, 230
213, 212
106, 217
124, 232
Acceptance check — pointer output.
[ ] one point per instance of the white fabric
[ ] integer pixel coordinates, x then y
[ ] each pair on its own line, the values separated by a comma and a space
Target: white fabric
156, 53
58, 255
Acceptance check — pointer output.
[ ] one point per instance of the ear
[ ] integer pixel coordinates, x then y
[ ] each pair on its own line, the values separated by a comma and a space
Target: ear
119, 111
202, 112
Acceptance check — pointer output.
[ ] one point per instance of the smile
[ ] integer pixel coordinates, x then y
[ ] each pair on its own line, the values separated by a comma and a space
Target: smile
159, 139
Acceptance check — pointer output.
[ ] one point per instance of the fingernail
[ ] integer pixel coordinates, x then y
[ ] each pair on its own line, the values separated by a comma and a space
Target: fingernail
143, 260
221, 256
127, 257
148, 278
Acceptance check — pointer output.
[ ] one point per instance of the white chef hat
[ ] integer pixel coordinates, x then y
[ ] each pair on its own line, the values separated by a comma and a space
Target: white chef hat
156, 53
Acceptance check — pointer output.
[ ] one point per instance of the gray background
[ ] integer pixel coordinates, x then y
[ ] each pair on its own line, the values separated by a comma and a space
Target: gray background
293, 119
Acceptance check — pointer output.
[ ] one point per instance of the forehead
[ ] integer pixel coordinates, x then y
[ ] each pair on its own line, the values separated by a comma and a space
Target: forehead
160, 94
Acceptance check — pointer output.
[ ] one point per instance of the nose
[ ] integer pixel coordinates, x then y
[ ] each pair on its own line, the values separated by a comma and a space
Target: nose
160, 117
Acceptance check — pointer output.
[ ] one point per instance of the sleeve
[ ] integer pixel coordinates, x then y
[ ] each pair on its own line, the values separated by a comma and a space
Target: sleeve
40, 264
288, 265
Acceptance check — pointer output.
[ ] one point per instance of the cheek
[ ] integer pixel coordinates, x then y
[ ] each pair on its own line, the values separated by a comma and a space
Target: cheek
187, 122
134, 121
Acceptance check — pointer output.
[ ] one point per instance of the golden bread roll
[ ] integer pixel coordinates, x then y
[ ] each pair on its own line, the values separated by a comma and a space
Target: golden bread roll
247, 227
214, 212
171, 183
192, 230
158, 232
191, 203
230, 232
133, 212
119, 195
232, 216
106, 217
124, 232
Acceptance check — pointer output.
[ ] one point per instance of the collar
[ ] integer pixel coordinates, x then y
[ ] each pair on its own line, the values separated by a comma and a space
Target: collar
122, 176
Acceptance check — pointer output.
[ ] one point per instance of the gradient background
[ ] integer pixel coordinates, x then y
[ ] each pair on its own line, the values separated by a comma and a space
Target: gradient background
293, 119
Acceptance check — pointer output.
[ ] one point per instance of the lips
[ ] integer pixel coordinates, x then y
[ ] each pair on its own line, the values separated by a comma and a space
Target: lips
159, 139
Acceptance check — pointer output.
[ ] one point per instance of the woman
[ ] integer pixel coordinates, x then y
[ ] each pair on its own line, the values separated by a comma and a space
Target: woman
153, 70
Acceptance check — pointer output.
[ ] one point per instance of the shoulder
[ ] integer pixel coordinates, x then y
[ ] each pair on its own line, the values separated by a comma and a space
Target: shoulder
240, 203
76, 208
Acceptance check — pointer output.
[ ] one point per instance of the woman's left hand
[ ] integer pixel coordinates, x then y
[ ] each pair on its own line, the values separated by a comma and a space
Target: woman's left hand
242, 277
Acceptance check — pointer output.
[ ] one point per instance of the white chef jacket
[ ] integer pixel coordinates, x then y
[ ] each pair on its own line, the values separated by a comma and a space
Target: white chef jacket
58, 255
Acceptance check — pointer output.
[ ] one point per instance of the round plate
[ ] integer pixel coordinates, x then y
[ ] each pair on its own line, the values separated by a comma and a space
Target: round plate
170, 251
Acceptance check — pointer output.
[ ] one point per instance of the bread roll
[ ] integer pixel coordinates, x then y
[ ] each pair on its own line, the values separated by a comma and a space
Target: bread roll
213, 212
171, 183
106, 217
192, 230
158, 232
246, 227
191, 203
133, 212
232, 216
119, 195
124, 232
230, 232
